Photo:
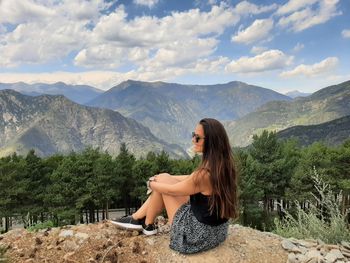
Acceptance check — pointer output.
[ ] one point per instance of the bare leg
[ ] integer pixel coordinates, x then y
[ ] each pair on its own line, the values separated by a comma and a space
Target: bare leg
156, 202
142, 211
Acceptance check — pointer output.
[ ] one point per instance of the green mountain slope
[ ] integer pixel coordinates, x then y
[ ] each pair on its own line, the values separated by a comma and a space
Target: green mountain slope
51, 124
324, 105
332, 133
172, 110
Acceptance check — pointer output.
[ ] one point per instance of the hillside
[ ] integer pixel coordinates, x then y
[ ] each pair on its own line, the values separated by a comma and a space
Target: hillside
51, 124
103, 242
332, 133
77, 93
322, 106
171, 110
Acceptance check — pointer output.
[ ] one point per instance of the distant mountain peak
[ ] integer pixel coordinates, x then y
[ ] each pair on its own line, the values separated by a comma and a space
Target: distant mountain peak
78, 93
296, 93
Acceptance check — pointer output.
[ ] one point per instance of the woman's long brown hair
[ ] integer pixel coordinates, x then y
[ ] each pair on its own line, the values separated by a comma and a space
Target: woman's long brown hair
218, 159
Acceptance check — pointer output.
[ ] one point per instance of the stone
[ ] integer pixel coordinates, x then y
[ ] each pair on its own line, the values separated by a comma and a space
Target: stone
346, 254
330, 258
312, 260
345, 244
301, 258
81, 235
314, 254
337, 253
288, 245
135, 233
330, 247
307, 244
292, 258
66, 233
70, 245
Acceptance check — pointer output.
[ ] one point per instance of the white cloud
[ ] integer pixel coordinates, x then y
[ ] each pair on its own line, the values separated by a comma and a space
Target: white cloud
149, 3
269, 60
211, 65
212, 2
181, 53
306, 14
323, 67
3, 29
258, 50
260, 29
47, 31
98, 55
40, 43
179, 38
346, 33
80, 27
177, 26
294, 5
298, 47
15, 12
246, 8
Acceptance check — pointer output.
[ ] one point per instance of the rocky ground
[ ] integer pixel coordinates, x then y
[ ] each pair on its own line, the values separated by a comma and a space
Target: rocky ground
103, 242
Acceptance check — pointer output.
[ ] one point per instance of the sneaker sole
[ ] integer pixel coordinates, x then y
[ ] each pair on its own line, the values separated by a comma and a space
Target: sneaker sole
149, 233
127, 225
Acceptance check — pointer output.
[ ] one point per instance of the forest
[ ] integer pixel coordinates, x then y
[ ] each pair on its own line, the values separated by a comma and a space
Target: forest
63, 189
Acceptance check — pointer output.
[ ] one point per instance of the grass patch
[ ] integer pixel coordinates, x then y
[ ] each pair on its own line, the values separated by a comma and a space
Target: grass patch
39, 226
323, 220
3, 258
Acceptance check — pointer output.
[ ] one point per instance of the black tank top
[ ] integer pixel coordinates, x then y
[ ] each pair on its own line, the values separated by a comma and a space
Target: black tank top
200, 208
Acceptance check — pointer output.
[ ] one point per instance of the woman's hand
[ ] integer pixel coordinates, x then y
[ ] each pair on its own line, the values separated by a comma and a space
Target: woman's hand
151, 179
154, 178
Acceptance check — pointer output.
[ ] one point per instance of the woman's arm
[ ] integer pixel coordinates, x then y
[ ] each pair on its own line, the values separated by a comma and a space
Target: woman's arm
180, 177
185, 187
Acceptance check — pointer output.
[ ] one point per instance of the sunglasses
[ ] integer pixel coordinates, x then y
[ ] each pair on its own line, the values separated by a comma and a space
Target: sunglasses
196, 137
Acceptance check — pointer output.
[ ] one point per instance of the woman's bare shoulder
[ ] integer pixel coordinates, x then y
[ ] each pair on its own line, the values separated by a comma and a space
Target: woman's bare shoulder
201, 178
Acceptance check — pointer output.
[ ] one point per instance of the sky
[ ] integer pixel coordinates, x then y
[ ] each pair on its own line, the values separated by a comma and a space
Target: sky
282, 45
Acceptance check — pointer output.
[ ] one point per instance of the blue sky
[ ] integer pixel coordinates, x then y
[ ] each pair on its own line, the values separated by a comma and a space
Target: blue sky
281, 45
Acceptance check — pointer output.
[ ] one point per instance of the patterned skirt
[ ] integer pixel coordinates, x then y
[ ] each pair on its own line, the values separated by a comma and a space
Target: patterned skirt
188, 235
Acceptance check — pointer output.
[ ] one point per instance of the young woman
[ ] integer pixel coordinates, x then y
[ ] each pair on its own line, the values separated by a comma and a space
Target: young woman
198, 205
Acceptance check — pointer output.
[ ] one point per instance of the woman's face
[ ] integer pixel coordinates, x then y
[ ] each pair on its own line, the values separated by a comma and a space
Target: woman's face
198, 138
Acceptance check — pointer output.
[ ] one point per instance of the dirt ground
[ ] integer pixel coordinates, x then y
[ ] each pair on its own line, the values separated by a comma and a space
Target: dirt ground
104, 242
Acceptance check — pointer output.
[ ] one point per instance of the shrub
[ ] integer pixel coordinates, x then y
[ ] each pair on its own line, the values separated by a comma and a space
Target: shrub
323, 220
2, 254
43, 225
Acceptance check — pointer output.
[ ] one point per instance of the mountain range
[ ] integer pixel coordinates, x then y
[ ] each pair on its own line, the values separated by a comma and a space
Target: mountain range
171, 110
77, 93
324, 105
331, 133
52, 123
155, 116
